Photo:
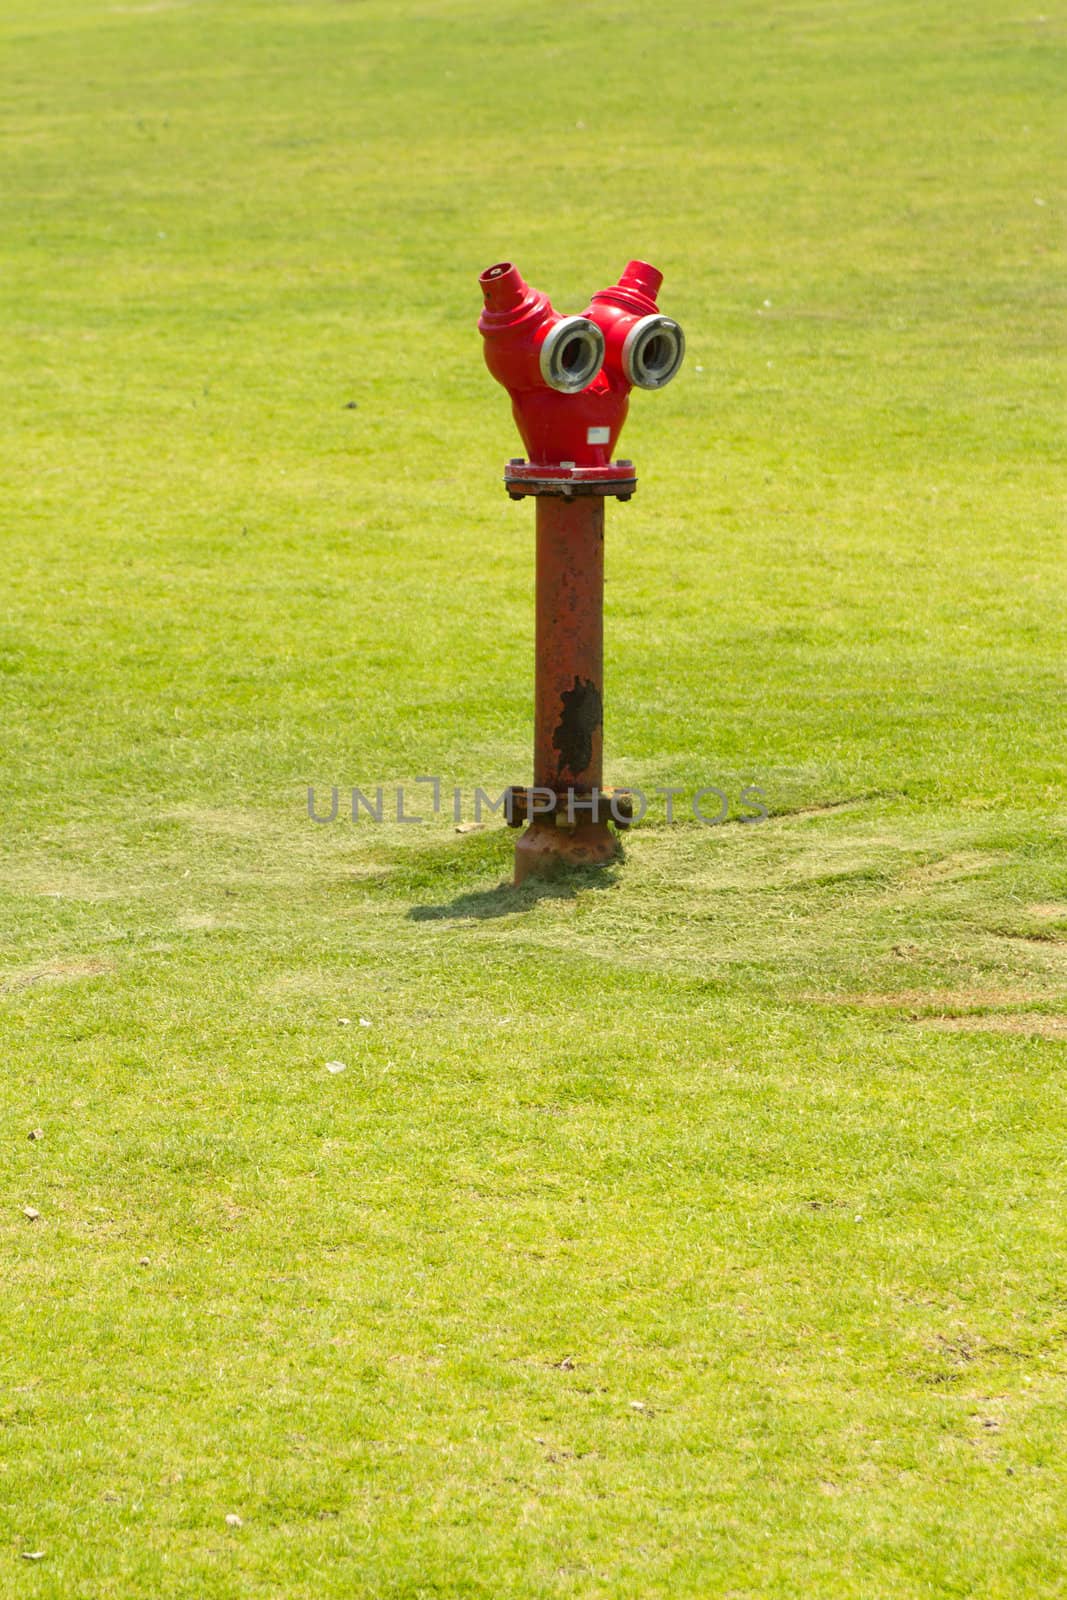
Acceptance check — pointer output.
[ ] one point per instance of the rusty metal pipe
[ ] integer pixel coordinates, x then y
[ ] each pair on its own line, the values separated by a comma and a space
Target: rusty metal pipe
569, 679
568, 687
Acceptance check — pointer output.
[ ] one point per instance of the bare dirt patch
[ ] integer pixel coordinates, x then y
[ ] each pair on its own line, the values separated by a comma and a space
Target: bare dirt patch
832, 805
1032, 1024
933, 1001
54, 972
950, 869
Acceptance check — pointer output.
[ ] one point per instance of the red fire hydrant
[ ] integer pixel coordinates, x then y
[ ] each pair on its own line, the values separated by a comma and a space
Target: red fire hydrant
570, 379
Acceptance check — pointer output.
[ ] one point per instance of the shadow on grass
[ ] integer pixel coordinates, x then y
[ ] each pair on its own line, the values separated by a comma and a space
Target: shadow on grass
505, 899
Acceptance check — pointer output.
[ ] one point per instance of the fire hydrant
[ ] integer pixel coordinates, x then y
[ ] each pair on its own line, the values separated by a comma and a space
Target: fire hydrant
569, 379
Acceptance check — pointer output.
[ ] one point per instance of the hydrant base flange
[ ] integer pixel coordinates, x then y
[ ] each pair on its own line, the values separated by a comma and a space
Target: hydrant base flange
545, 849
524, 804
522, 478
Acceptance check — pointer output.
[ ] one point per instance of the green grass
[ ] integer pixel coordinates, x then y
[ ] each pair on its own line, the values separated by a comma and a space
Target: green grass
692, 1230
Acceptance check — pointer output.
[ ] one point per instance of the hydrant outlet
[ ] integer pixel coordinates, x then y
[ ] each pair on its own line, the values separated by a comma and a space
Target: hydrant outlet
572, 354
529, 345
652, 352
642, 348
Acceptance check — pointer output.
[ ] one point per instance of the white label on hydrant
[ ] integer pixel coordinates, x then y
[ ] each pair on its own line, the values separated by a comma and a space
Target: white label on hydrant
597, 435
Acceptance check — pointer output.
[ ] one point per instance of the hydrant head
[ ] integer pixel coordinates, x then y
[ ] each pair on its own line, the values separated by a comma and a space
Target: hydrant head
570, 377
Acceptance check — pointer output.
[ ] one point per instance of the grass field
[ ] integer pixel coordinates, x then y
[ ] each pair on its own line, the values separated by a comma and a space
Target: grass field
693, 1231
